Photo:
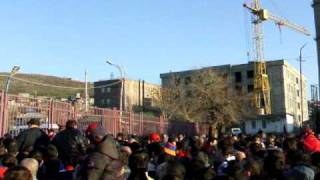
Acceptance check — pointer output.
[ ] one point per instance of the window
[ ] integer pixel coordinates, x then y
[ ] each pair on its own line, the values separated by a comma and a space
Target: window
102, 101
297, 80
264, 124
108, 89
253, 124
250, 74
238, 76
298, 93
250, 88
108, 101
299, 106
102, 90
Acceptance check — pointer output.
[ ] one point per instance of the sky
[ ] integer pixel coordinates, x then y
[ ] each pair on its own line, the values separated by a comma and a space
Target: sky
146, 37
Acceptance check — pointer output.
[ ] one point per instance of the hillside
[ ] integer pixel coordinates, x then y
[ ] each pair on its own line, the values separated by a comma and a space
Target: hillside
23, 87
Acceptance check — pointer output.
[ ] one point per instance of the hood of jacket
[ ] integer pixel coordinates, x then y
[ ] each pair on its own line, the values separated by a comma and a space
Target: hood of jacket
109, 148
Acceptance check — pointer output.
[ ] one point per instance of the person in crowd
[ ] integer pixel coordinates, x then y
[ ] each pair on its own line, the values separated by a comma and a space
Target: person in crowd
18, 173
32, 165
52, 168
315, 160
274, 165
172, 170
301, 168
51, 134
105, 162
164, 139
71, 144
138, 164
32, 138
310, 142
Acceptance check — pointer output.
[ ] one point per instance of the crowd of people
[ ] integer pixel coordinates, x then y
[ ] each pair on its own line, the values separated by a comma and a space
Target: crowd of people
94, 155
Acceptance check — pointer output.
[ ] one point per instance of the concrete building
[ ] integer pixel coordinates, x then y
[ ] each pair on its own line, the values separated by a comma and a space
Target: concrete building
136, 94
285, 93
316, 6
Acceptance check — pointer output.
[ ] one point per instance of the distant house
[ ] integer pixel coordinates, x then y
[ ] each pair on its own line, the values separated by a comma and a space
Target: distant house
136, 93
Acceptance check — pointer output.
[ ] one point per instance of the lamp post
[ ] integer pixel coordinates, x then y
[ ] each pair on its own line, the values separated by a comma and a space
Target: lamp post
4, 122
301, 83
121, 79
13, 72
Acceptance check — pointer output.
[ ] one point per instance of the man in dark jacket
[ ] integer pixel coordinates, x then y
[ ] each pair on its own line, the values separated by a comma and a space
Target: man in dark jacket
32, 138
71, 144
105, 162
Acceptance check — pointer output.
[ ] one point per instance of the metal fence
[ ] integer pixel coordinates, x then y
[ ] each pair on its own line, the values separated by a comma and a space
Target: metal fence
16, 111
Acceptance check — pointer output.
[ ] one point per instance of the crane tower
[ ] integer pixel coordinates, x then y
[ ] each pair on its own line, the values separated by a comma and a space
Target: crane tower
261, 80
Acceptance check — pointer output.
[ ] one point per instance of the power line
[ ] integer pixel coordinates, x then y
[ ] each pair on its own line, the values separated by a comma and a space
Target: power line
57, 86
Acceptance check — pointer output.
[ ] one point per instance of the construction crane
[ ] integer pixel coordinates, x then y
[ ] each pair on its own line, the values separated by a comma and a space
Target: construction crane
261, 80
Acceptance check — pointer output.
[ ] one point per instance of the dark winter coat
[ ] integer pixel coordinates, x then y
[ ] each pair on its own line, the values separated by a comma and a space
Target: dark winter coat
104, 163
71, 145
31, 139
300, 172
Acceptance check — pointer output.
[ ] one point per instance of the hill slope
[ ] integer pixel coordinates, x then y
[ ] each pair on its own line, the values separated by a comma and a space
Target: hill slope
23, 87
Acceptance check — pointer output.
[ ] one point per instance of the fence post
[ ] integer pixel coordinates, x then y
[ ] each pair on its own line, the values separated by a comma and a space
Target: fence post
2, 109
130, 122
114, 121
160, 124
50, 119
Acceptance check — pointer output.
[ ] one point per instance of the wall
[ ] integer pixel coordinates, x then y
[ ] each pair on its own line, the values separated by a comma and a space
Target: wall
293, 94
134, 93
137, 93
272, 125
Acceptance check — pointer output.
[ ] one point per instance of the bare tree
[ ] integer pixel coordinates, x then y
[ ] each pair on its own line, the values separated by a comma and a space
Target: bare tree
204, 96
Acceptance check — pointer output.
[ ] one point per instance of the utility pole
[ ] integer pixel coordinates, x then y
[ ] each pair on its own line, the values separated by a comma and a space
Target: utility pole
301, 84
86, 90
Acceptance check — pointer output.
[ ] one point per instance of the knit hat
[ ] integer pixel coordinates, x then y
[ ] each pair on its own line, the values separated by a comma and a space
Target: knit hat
155, 137
98, 132
170, 149
91, 127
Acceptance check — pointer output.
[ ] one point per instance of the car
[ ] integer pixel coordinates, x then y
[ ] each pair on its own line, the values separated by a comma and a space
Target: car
236, 131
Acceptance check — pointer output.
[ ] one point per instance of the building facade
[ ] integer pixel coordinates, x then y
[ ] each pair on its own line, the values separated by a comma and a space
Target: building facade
316, 6
136, 94
285, 93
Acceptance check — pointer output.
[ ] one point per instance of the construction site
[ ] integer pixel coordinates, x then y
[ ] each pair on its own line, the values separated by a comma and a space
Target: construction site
279, 90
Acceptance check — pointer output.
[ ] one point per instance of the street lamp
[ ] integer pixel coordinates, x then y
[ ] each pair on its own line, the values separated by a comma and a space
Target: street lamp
13, 72
121, 79
301, 83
